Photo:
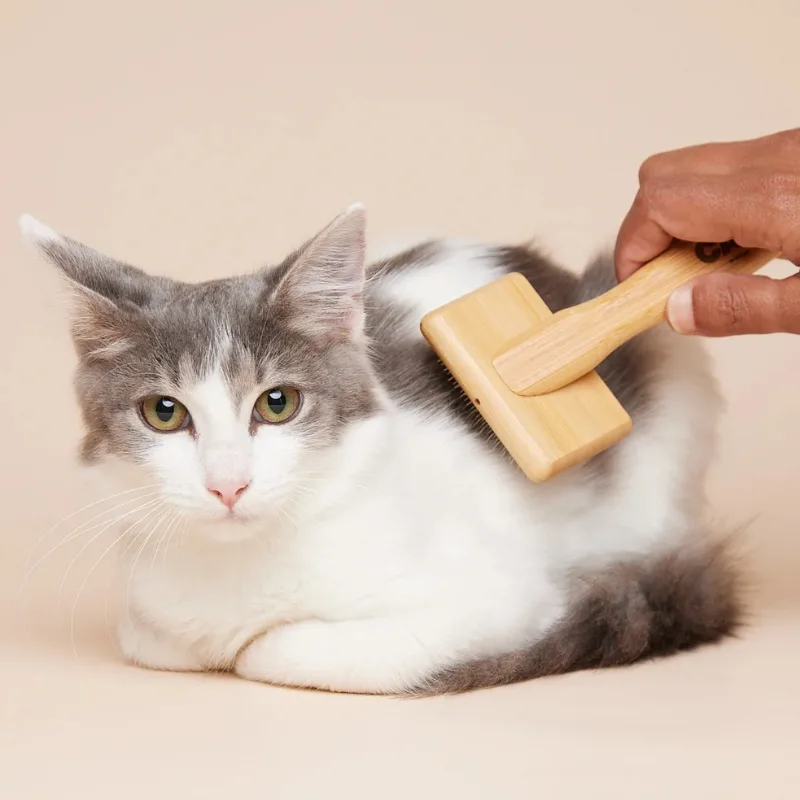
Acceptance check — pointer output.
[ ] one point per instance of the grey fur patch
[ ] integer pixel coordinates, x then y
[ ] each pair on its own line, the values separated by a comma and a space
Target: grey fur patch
415, 377
417, 256
635, 610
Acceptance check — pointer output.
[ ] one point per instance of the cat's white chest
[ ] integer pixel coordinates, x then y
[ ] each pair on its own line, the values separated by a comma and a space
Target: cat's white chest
214, 600
212, 603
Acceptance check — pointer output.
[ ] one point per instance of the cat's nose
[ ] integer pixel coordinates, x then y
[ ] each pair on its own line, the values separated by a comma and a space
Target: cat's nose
228, 492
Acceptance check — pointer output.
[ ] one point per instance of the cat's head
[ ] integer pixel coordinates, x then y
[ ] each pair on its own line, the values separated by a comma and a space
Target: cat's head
231, 396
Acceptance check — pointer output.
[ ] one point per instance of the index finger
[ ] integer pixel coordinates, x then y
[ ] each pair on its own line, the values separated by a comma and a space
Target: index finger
640, 239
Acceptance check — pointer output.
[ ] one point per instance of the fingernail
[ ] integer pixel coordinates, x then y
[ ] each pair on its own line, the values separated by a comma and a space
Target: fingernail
680, 310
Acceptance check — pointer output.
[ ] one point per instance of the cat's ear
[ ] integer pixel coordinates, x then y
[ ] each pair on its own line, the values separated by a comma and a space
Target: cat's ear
321, 294
107, 295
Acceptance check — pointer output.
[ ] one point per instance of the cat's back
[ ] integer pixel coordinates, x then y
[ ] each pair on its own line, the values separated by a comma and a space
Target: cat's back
643, 489
418, 279
401, 289
406, 285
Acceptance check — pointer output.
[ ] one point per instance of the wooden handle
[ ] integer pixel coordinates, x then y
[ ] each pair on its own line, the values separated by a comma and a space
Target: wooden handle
577, 339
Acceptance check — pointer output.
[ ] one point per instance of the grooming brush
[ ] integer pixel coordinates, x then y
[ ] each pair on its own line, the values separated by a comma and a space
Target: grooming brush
530, 373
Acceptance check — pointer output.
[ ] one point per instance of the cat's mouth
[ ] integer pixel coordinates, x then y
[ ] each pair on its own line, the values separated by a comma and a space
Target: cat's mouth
232, 527
236, 516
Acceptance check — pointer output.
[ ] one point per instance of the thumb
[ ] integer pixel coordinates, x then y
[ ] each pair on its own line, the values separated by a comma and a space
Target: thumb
730, 305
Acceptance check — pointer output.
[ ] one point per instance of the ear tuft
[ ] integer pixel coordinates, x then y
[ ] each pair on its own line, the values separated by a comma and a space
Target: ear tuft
107, 295
35, 231
321, 293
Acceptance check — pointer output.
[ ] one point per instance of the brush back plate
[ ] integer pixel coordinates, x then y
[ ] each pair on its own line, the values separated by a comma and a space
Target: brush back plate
545, 434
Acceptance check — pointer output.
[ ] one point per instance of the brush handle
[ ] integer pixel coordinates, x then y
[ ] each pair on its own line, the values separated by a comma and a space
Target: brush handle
577, 339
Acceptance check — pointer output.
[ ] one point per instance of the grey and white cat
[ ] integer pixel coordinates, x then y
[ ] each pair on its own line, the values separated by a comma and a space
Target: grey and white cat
348, 522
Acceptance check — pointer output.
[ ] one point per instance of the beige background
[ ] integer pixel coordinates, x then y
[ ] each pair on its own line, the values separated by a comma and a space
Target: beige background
201, 138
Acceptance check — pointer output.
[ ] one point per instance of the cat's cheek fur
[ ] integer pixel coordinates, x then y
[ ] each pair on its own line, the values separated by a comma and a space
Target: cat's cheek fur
282, 457
172, 459
181, 464
225, 445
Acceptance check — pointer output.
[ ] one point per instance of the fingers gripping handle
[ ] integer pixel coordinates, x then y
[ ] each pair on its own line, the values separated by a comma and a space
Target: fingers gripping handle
577, 339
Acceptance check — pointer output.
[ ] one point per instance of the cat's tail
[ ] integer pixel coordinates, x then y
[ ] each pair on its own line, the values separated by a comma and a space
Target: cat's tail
633, 610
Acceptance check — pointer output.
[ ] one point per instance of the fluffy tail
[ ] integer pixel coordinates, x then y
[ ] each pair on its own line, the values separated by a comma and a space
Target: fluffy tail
625, 613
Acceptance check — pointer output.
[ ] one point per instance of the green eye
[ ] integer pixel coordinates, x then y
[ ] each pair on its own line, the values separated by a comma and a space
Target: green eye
164, 414
277, 405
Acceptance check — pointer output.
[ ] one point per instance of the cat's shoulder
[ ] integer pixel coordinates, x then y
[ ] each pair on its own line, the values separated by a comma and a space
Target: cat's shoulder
429, 273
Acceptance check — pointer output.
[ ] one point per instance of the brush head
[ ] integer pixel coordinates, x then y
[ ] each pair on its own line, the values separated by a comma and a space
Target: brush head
544, 434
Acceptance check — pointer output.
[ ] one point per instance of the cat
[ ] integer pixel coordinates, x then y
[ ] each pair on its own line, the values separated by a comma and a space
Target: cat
348, 521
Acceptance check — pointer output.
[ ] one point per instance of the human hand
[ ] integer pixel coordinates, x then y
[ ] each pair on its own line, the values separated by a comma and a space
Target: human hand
748, 191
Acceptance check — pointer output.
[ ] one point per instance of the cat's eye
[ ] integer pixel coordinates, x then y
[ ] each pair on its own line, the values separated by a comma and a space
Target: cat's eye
277, 405
164, 414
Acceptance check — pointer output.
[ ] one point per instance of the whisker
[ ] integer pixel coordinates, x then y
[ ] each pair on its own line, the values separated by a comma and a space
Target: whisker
75, 535
179, 518
84, 527
109, 631
131, 541
284, 512
133, 567
91, 571
52, 528
93, 539
171, 521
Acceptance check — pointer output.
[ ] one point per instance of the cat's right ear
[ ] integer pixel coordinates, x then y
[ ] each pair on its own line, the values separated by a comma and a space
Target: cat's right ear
321, 293
107, 295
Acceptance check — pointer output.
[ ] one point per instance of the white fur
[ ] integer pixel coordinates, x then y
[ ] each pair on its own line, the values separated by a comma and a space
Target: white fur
406, 548
460, 268
36, 231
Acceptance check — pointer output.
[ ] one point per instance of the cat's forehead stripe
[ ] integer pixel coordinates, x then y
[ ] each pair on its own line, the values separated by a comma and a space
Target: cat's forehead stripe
240, 370
217, 352
213, 408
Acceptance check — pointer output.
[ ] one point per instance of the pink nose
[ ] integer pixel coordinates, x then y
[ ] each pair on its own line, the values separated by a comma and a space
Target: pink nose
228, 493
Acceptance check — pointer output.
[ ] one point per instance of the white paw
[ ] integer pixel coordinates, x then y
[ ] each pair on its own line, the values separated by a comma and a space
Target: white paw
361, 656
289, 655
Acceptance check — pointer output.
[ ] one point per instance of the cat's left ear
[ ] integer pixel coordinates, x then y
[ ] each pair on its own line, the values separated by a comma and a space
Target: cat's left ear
321, 294
107, 295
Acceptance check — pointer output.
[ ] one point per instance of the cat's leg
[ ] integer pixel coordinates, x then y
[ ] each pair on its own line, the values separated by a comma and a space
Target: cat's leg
146, 648
371, 656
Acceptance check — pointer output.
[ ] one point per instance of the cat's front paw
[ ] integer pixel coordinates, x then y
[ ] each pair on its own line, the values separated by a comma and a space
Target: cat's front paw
361, 656
289, 655
145, 648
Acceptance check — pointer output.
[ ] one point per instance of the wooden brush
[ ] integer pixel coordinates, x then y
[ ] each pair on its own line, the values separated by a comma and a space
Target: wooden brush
530, 373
